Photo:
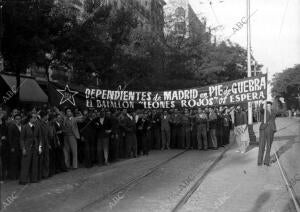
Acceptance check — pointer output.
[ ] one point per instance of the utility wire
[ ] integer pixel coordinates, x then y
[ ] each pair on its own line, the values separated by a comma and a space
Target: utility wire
213, 11
281, 27
283, 18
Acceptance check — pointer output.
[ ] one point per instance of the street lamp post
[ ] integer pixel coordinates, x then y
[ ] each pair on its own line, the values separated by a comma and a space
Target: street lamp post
251, 132
250, 117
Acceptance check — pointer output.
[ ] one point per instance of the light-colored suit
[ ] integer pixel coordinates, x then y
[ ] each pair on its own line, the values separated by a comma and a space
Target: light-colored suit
70, 141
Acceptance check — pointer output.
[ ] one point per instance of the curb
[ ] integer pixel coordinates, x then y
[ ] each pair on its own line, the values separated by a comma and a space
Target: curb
196, 185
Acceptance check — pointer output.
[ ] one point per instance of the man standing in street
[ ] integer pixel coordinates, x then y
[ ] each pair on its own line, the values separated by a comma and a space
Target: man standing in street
29, 141
71, 134
165, 130
212, 128
266, 135
13, 138
187, 129
104, 129
202, 128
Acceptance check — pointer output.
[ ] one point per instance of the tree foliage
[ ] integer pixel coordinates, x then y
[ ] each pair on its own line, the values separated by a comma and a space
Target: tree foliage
95, 40
287, 84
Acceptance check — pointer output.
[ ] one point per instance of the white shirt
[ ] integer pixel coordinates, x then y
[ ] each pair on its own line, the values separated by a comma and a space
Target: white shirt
101, 120
19, 127
129, 116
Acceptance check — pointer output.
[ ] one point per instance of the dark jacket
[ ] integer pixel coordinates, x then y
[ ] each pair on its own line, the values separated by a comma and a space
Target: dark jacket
13, 136
29, 137
128, 125
270, 121
102, 128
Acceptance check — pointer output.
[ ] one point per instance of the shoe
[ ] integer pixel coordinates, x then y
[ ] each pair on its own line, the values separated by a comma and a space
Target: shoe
259, 164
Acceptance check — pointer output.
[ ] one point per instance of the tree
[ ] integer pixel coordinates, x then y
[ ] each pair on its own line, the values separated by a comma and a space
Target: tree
95, 43
287, 84
31, 32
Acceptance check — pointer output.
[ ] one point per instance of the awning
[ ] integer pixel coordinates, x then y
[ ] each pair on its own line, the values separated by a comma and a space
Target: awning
30, 91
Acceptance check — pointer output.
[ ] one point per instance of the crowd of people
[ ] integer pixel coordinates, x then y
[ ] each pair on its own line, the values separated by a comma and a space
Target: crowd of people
45, 141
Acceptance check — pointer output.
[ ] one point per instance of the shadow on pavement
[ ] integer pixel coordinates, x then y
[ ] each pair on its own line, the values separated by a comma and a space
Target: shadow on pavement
284, 148
260, 201
290, 206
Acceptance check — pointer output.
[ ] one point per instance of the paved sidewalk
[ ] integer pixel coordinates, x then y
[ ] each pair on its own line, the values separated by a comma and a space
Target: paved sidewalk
237, 184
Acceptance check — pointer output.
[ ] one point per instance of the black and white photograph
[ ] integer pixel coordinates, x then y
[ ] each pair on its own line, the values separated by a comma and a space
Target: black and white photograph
150, 105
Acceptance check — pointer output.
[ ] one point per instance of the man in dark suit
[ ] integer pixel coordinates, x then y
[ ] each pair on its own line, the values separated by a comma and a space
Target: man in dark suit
29, 141
129, 125
165, 130
88, 136
104, 129
60, 164
115, 136
266, 135
4, 147
13, 138
177, 129
45, 142
156, 126
201, 121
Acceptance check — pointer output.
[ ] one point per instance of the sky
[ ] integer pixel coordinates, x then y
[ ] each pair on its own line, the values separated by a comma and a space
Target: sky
275, 28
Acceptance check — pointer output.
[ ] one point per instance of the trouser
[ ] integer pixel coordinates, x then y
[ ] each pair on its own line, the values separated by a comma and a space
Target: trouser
122, 146
177, 137
226, 135
146, 141
52, 161
102, 149
219, 135
115, 146
80, 151
165, 138
5, 156
60, 164
45, 163
265, 142
14, 164
88, 151
187, 137
139, 137
70, 145
213, 137
194, 141
202, 137
131, 145
157, 137
30, 166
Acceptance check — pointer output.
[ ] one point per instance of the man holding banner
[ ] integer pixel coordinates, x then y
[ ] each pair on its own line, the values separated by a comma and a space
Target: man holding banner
266, 134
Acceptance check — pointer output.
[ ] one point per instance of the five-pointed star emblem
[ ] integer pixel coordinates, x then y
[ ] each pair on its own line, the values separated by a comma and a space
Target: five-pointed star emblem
67, 95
